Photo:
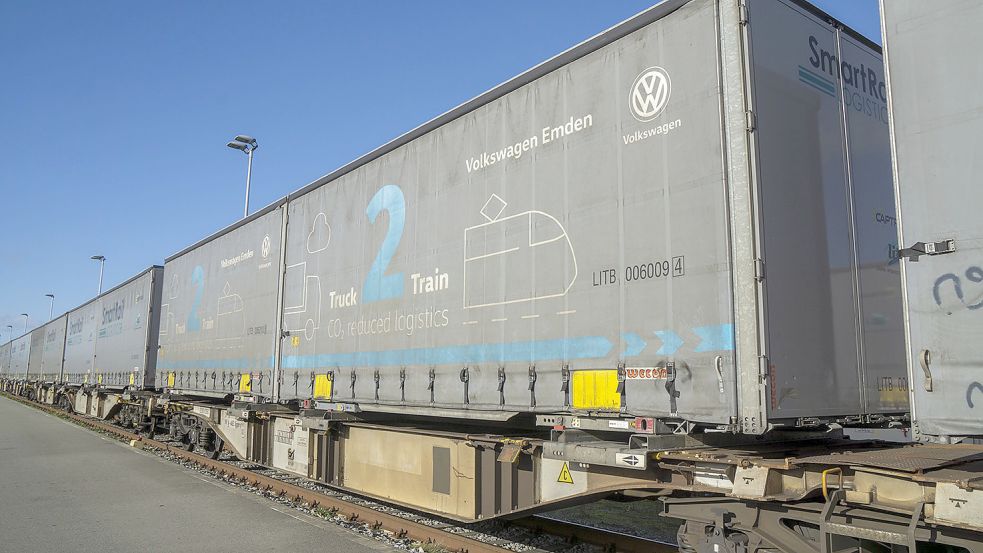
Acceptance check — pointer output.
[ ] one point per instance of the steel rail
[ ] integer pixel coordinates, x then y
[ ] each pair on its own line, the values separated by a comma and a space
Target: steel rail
610, 540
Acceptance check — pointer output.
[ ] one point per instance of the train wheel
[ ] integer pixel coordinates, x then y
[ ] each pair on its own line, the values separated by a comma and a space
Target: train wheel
207, 443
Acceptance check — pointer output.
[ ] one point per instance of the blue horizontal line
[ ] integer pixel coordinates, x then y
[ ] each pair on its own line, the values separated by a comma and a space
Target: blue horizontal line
818, 83
805, 77
588, 347
817, 77
819, 88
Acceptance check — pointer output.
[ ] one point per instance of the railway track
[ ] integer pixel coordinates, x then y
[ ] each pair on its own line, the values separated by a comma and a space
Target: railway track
320, 499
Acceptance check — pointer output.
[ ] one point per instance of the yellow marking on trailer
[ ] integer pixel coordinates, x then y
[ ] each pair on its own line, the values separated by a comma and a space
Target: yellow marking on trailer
565, 477
596, 389
295, 341
245, 383
322, 386
892, 392
170, 379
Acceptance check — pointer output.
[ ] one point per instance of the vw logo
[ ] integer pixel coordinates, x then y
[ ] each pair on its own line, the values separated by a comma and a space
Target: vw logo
649, 93
265, 247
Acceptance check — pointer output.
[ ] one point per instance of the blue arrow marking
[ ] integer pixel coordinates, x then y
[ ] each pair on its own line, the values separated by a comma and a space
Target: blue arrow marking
715, 338
587, 347
671, 342
633, 344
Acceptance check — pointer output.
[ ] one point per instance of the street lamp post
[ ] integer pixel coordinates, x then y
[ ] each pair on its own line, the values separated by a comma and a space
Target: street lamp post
51, 306
26, 317
247, 145
102, 264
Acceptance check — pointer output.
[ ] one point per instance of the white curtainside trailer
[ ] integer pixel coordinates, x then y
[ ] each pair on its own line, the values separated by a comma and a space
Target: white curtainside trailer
111, 341
937, 119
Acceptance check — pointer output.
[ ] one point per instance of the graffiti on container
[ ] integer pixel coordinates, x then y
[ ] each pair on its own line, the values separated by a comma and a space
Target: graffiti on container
969, 393
973, 274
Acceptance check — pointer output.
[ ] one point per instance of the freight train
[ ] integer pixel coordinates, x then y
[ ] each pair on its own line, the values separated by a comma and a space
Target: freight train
663, 264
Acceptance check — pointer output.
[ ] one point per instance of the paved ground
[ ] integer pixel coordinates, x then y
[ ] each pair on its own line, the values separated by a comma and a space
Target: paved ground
63, 488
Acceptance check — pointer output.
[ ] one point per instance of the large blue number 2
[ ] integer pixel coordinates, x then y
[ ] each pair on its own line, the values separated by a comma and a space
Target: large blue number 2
378, 285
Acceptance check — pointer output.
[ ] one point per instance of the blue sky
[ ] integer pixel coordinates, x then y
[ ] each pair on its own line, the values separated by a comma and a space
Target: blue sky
115, 115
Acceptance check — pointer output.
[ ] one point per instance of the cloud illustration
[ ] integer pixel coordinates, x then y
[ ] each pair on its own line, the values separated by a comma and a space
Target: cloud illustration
320, 235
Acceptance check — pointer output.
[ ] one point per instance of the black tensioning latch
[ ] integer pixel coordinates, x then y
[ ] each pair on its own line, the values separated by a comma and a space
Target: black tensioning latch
671, 386
927, 248
501, 385
532, 385
466, 379
565, 384
402, 384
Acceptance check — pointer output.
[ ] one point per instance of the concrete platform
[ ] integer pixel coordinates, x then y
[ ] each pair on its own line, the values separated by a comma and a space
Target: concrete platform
63, 488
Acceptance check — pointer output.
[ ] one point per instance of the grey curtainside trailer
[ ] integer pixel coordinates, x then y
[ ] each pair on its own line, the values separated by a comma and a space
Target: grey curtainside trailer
80, 343
53, 350
218, 322
645, 226
20, 354
5, 359
46, 355
36, 354
937, 119
673, 220
111, 340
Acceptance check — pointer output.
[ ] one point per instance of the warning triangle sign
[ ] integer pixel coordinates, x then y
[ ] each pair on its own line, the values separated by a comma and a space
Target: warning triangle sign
565, 476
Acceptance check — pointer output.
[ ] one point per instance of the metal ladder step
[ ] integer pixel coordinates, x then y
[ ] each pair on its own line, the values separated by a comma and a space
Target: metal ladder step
850, 531
829, 529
